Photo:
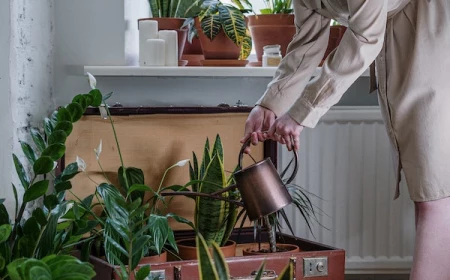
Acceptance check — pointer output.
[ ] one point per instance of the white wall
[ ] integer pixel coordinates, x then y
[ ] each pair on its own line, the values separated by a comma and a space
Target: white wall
5, 107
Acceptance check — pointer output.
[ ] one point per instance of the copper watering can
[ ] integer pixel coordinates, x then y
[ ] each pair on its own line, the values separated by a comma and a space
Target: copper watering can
261, 188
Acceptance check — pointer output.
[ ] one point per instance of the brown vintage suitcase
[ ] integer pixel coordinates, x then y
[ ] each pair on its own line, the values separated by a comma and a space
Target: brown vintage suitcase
154, 138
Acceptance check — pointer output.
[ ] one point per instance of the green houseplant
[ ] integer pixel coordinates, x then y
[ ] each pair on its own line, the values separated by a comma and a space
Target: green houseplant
222, 30
28, 245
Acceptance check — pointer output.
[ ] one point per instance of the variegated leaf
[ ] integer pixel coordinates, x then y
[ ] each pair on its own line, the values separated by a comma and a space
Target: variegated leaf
246, 47
211, 26
233, 22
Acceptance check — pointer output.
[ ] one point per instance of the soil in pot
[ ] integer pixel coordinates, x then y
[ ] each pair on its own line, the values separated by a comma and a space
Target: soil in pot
265, 30
254, 249
172, 24
188, 250
221, 47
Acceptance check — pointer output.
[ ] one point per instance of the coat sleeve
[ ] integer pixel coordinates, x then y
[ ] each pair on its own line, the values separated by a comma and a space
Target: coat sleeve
306, 102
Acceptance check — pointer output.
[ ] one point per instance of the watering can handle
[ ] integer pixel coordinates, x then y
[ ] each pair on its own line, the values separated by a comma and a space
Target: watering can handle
294, 172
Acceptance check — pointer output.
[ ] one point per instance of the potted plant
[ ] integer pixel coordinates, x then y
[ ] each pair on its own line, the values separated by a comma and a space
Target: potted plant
223, 33
29, 243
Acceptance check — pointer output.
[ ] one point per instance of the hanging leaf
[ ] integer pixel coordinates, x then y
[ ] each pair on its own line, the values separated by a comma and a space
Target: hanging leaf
38, 213
233, 23
211, 26
62, 186
65, 126
5, 231
70, 171
63, 115
246, 47
96, 97
220, 263
80, 99
21, 172
55, 151
37, 190
37, 138
76, 111
48, 126
51, 201
4, 216
43, 165
28, 151
57, 137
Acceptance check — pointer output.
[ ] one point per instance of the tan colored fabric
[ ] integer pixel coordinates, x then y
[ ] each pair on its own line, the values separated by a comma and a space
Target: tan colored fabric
409, 40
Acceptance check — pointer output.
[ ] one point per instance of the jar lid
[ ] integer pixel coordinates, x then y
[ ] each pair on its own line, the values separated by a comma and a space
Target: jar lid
272, 48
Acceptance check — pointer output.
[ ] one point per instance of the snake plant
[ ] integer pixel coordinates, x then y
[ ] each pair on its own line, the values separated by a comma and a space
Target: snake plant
215, 16
213, 219
173, 8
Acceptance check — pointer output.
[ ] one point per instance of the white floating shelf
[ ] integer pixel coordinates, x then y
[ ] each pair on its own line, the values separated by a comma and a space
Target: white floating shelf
136, 71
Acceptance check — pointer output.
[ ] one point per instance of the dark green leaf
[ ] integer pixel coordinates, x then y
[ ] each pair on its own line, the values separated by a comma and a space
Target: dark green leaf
31, 228
37, 190
233, 23
70, 171
21, 172
87, 202
88, 227
260, 272
64, 115
28, 151
2, 263
143, 272
219, 262
205, 266
211, 26
76, 111
138, 187
43, 165
51, 201
55, 151
38, 139
287, 273
180, 220
16, 198
13, 269
65, 185
4, 216
65, 126
49, 125
96, 97
57, 137
38, 213
89, 99
5, 231
2, 200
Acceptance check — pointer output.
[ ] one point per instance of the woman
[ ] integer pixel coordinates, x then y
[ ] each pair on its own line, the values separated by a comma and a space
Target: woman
410, 42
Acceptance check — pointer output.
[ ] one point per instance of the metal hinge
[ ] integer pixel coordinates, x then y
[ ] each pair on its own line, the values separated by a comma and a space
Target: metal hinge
157, 275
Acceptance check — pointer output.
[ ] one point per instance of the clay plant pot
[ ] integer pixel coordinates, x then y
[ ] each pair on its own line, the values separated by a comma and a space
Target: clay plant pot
187, 249
103, 269
172, 24
193, 52
221, 47
271, 29
253, 249
336, 34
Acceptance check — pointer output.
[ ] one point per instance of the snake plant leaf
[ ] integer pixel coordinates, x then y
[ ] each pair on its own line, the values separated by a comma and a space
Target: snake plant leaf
259, 273
57, 137
76, 111
154, 8
220, 263
37, 190
28, 151
211, 25
287, 273
5, 231
246, 47
211, 212
233, 23
205, 266
217, 147
38, 139
23, 176
165, 8
143, 272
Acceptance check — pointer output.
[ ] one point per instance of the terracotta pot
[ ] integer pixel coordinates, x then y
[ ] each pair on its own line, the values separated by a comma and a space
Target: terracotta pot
172, 24
253, 249
193, 53
221, 47
272, 29
188, 251
336, 34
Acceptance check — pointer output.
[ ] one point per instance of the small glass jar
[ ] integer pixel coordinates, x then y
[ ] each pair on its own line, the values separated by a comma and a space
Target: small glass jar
272, 56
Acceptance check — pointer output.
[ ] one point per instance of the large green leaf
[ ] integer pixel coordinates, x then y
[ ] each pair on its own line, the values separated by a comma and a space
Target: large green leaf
206, 268
55, 151
4, 216
21, 172
31, 228
134, 176
57, 136
5, 231
159, 229
63, 115
65, 126
62, 186
43, 165
82, 100
143, 272
233, 23
40, 217
76, 111
38, 139
154, 8
211, 25
28, 151
96, 97
246, 47
49, 125
139, 245
220, 263
37, 190
51, 201
70, 171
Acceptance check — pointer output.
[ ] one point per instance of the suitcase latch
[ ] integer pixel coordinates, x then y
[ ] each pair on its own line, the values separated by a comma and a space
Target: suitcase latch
267, 275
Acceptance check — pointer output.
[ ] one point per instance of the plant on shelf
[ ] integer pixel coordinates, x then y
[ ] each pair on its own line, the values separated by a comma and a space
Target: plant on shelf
131, 226
28, 243
222, 30
173, 8
277, 7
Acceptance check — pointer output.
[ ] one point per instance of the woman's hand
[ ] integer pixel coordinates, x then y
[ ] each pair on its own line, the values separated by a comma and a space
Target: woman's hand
286, 130
259, 120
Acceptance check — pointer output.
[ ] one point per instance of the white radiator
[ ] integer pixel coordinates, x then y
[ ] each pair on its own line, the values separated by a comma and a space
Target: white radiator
346, 161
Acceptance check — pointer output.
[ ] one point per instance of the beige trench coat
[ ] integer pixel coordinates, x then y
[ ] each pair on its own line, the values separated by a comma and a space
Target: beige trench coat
409, 41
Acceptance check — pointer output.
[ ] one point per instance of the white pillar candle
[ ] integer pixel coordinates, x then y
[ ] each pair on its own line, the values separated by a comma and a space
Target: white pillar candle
171, 39
148, 29
154, 52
